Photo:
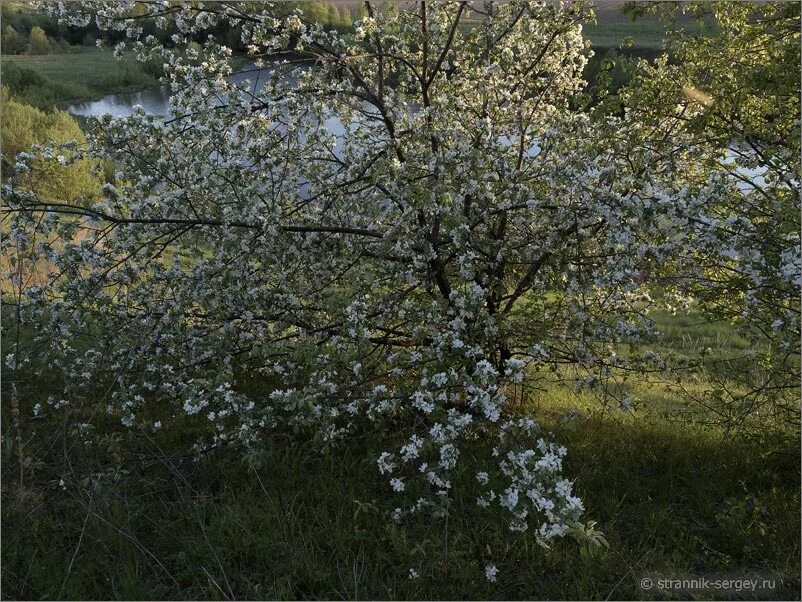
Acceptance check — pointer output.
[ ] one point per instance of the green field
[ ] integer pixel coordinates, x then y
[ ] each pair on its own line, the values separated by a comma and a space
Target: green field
63, 78
644, 34
90, 68
289, 523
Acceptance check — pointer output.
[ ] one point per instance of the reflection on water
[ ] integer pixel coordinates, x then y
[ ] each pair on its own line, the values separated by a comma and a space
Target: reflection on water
155, 101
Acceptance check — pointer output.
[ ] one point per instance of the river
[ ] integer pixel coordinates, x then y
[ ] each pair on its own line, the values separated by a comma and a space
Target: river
155, 101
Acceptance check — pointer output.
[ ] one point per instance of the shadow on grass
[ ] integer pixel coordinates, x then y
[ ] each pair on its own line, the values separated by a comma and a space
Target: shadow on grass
288, 523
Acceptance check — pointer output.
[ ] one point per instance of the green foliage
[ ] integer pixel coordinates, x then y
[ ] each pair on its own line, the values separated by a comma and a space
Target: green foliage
319, 11
315, 12
592, 541
610, 69
333, 17
40, 42
23, 18
732, 99
750, 68
32, 88
24, 126
13, 42
20, 16
389, 7
17, 126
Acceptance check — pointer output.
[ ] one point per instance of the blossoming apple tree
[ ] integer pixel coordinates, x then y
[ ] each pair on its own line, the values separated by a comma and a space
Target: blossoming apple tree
397, 232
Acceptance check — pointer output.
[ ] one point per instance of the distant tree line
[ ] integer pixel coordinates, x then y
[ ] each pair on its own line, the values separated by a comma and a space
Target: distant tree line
26, 31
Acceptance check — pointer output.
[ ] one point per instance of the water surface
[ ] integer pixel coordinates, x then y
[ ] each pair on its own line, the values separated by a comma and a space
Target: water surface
156, 101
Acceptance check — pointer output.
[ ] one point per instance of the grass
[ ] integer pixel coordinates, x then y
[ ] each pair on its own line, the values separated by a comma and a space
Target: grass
72, 77
292, 528
92, 68
138, 519
645, 34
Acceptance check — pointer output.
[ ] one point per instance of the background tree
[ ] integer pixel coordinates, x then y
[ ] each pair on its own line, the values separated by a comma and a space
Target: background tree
40, 43
315, 12
13, 41
333, 17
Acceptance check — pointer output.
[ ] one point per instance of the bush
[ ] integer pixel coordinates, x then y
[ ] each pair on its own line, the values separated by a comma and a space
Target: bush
25, 126
13, 41
40, 42
31, 88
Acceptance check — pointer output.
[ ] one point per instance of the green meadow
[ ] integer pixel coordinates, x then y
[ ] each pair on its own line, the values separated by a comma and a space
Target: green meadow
672, 497
644, 34
59, 79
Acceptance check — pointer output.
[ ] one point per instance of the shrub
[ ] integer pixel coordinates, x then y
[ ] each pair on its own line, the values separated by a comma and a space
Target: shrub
40, 43
23, 127
13, 42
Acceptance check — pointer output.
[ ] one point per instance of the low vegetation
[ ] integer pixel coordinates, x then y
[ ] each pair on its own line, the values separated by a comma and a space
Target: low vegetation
46, 81
154, 523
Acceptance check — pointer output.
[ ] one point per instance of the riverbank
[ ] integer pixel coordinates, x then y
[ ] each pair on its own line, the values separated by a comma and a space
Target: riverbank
49, 81
55, 80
